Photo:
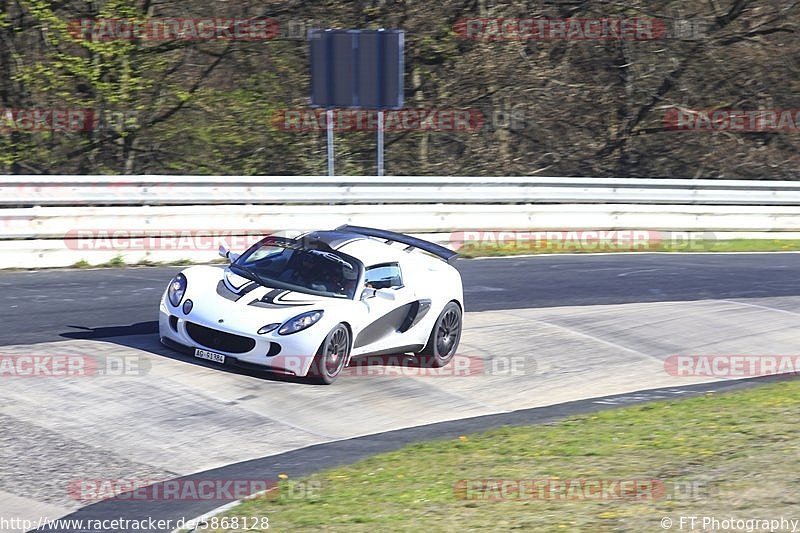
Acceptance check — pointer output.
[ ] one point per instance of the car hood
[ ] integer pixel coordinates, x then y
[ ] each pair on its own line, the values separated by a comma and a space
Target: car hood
223, 297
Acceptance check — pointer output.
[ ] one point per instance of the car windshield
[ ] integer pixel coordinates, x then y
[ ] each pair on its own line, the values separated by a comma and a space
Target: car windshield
285, 263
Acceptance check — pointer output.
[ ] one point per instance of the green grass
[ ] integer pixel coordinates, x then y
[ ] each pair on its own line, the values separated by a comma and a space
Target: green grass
115, 262
738, 449
730, 245
119, 261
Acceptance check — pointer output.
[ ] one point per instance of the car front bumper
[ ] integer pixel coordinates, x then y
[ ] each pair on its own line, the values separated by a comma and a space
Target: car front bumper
286, 354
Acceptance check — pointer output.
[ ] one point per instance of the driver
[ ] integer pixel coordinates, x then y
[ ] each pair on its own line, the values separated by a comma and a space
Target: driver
329, 278
315, 274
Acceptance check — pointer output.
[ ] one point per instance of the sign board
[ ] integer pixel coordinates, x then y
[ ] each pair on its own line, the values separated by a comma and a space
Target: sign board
360, 69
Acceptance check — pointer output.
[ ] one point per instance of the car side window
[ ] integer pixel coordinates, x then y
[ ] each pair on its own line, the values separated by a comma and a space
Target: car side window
383, 277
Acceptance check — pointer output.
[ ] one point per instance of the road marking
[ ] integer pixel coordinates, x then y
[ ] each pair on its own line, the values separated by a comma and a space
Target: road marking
758, 306
483, 288
625, 274
586, 335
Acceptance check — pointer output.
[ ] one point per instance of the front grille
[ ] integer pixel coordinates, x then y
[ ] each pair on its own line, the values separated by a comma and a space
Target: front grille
219, 340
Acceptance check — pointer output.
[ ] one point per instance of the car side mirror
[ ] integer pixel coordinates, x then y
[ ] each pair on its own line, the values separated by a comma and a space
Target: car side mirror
368, 293
386, 294
224, 252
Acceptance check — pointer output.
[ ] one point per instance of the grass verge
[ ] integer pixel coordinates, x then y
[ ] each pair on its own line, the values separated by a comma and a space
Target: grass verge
727, 455
118, 261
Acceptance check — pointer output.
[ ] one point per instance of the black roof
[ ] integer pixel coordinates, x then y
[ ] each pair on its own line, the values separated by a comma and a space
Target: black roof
332, 239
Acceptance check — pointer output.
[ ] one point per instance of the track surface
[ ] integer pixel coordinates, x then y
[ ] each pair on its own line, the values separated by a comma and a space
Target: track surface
583, 326
51, 305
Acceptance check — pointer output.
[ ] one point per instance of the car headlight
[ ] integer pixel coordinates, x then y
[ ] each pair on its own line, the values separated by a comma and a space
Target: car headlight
176, 290
300, 322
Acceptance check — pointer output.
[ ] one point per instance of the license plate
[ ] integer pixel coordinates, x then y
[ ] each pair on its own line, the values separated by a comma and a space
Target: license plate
211, 356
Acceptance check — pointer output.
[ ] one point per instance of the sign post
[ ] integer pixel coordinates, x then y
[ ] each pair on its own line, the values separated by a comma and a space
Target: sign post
380, 142
357, 69
329, 130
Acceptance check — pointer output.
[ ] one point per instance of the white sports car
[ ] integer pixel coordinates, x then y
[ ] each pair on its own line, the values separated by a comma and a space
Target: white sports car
304, 306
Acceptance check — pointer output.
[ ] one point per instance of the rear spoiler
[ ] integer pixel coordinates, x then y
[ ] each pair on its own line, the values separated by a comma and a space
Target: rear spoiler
432, 248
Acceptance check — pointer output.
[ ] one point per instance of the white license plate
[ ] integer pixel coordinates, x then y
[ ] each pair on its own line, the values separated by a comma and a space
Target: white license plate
211, 356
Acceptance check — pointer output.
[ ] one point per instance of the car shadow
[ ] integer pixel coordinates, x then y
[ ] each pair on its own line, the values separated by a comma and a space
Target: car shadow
139, 328
143, 336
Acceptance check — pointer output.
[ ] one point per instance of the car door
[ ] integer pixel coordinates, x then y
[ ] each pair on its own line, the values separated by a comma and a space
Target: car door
389, 303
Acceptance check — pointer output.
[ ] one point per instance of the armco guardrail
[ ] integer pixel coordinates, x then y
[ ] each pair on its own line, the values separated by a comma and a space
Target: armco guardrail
278, 190
66, 222
50, 221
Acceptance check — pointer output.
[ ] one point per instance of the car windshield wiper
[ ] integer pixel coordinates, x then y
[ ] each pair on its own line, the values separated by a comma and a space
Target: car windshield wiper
258, 279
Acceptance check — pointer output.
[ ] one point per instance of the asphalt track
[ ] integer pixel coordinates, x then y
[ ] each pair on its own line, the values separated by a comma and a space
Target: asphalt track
594, 326
51, 305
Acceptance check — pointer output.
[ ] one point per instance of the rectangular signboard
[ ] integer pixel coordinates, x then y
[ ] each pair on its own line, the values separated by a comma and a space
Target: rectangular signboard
360, 69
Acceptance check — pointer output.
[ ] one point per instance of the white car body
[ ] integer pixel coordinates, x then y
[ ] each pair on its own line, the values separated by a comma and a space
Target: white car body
388, 320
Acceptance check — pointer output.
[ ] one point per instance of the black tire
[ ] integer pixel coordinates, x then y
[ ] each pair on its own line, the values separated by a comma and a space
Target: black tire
444, 338
331, 356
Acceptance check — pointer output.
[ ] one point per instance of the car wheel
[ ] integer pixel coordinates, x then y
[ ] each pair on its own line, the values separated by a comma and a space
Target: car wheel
444, 338
331, 356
